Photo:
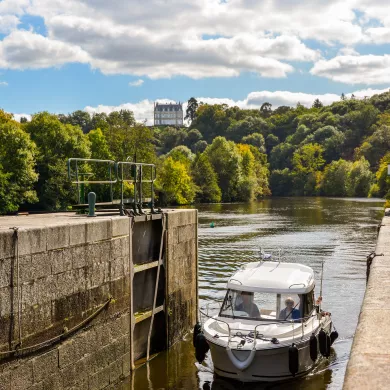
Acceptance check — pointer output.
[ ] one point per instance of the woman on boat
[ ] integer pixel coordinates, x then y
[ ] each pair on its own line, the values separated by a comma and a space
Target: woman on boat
289, 312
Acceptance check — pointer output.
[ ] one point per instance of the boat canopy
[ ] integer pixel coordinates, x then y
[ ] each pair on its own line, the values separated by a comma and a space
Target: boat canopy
273, 277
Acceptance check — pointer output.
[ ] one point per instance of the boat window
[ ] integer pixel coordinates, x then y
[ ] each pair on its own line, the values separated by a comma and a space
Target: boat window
307, 303
264, 306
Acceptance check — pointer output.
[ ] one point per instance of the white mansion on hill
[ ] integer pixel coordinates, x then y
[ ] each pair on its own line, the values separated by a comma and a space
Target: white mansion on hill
168, 114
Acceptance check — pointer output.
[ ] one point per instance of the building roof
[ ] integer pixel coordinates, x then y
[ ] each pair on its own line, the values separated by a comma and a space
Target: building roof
274, 277
168, 107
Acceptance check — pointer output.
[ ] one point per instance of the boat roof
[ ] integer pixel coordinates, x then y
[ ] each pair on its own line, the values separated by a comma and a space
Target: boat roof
274, 277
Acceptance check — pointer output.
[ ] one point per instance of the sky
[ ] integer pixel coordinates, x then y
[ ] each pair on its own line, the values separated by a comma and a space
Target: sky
99, 55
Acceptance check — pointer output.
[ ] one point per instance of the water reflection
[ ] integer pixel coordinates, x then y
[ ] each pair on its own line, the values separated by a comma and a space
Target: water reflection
340, 232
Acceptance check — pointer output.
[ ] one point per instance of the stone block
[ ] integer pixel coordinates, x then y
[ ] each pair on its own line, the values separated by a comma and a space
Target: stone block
126, 364
5, 381
66, 353
5, 272
79, 256
58, 237
5, 301
116, 370
98, 230
117, 268
29, 294
100, 379
22, 376
120, 247
98, 252
53, 382
32, 241
120, 226
187, 233
75, 375
77, 234
7, 248
64, 284
40, 265
45, 365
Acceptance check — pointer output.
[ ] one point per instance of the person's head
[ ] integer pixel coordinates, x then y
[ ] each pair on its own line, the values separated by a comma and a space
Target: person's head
289, 303
246, 297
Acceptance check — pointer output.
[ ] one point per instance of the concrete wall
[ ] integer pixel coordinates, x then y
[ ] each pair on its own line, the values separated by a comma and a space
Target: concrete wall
368, 366
69, 266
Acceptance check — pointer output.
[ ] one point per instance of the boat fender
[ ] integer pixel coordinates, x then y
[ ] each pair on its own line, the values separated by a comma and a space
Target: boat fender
197, 330
201, 347
324, 341
239, 364
333, 336
293, 359
313, 347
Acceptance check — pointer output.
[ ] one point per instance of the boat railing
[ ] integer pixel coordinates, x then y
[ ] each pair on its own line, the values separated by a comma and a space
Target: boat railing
255, 333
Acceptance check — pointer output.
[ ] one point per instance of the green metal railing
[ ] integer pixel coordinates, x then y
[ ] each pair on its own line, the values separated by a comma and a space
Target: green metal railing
75, 175
140, 173
137, 178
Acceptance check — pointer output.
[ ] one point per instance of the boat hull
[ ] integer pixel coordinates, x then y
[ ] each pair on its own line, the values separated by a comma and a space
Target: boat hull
268, 365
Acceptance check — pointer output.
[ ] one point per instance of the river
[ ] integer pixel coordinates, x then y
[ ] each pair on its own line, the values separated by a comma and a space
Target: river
340, 232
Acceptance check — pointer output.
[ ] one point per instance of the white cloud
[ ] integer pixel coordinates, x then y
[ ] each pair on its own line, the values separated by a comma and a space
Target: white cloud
8, 23
367, 69
26, 50
17, 117
136, 83
143, 110
3, 84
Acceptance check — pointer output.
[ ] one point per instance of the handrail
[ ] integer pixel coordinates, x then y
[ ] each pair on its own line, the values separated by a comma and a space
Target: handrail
111, 162
138, 180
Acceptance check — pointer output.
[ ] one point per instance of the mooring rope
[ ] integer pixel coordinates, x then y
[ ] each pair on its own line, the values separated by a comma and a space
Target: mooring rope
58, 338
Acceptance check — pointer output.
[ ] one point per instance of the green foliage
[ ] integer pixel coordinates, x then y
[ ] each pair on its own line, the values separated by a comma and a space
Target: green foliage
191, 109
175, 182
226, 161
281, 182
335, 179
56, 142
206, 179
308, 158
256, 140
360, 178
17, 161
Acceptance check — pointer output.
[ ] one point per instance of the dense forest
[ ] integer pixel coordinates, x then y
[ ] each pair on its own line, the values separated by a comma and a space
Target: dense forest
226, 154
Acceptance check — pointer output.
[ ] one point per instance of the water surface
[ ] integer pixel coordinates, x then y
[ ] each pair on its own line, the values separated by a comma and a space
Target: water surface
340, 232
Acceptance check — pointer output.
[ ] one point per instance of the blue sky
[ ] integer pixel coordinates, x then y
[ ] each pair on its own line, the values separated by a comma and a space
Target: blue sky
63, 56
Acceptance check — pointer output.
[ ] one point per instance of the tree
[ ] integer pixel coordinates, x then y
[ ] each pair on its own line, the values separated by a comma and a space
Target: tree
191, 109
382, 178
317, 104
270, 142
360, 178
281, 156
226, 161
343, 97
183, 154
200, 146
17, 163
23, 119
175, 182
77, 118
255, 139
335, 181
281, 182
206, 179
308, 158
170, 137
56, 143
266, 110
192, 138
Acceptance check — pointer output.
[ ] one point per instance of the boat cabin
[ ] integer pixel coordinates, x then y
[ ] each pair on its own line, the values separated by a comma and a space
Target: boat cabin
270, 291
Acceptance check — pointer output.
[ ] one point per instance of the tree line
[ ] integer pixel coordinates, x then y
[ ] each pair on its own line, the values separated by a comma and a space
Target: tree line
225, 154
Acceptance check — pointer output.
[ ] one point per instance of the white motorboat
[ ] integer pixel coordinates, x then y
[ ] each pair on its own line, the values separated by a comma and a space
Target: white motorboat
254, 337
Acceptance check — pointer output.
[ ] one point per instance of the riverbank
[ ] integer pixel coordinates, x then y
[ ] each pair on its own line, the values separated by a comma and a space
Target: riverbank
368, 367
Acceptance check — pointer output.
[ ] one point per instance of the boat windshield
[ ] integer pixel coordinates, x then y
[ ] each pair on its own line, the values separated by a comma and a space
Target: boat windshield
266, 306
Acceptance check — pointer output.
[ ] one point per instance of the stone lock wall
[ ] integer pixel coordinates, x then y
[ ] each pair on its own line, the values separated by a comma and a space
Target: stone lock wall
69, 267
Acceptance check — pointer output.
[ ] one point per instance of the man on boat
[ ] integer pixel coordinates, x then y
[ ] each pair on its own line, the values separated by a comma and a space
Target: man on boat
248, 305
289, 312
